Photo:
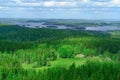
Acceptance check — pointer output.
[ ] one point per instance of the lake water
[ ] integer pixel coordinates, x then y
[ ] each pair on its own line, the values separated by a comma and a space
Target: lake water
103, 28
42, 25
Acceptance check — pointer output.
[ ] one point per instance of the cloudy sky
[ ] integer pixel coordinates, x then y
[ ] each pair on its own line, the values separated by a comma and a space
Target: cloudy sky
62, 9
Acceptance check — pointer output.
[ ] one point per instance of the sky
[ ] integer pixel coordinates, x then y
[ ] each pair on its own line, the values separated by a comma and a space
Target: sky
60, 9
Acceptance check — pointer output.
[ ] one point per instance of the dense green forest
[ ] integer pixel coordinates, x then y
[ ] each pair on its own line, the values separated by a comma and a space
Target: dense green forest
51, 54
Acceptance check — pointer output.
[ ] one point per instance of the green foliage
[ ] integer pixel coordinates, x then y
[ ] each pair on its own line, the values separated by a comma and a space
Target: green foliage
92, 70
20, 47
66, 51
89, 52
17, 37
14, 46
96, 43
21, 34
23, 38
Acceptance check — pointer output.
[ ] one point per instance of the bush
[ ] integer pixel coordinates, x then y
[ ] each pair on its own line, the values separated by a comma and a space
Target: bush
66, 51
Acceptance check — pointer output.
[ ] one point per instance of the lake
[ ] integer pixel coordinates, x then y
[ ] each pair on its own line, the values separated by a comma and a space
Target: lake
42, 25
102, 28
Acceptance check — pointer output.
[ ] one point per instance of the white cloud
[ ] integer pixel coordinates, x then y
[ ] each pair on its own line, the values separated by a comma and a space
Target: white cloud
63, 3
112, 3
17, 1
115, 3
45, 3
56, 3
3, 8
22, 3
85, 1
99, 3
49, 4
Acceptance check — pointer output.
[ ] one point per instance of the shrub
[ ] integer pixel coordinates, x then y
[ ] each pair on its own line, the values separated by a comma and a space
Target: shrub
66, 51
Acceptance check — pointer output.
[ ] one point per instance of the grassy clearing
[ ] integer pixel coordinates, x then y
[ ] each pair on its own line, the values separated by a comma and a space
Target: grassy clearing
115, 34
65, 63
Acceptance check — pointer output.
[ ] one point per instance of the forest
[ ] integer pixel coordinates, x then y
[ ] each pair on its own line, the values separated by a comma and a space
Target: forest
52, 54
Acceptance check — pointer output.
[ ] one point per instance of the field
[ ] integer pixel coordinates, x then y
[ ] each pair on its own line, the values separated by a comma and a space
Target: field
51, 54
65, 63
115, 34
